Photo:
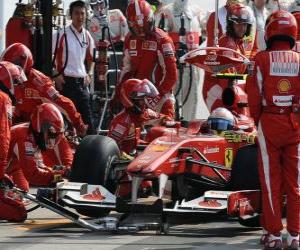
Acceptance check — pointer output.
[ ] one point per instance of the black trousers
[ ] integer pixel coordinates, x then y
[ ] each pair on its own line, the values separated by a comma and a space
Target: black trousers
75, 90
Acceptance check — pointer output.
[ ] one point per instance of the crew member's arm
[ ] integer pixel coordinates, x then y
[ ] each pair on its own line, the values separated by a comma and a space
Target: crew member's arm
49, 94
33, 167
167, 61
89, 59
4, 135
254, 90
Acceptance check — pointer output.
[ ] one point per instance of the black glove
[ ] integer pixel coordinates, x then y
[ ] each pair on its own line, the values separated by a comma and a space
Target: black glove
65, 171
58, 167
6, 182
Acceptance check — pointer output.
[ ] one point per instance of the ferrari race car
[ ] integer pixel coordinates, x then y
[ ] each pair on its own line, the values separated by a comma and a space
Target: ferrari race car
181, 170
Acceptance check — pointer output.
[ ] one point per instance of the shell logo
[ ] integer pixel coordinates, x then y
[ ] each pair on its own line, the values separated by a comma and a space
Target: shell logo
284, 86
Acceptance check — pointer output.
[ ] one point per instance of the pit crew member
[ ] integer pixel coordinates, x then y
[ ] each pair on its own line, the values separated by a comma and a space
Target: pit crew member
274, 94
28, 140
149, 53
134, 96
74, 77
11, 207
103, 17
183, 23
239, 25
38, 89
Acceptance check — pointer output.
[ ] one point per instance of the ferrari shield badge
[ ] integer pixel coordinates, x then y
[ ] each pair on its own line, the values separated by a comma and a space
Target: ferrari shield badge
228, 157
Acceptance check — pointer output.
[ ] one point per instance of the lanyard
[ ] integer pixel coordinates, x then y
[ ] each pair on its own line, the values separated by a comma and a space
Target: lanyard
83, 43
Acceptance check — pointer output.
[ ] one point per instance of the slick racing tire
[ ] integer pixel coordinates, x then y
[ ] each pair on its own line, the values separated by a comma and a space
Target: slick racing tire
92, 164
244, 174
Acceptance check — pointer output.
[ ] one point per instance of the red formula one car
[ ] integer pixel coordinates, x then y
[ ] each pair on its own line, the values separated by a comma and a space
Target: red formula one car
190, 169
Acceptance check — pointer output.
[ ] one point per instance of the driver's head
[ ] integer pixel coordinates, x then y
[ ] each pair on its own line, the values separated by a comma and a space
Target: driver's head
239, 21
221, 119
47, 125
134, 94
140, 18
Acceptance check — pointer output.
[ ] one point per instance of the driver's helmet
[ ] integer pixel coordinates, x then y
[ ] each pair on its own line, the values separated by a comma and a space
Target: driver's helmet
221, 119
47, 125
18, 54
10, 76
140, 17
239, 13
134, 94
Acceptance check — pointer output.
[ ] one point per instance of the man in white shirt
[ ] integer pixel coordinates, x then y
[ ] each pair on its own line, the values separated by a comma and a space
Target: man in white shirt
72, 49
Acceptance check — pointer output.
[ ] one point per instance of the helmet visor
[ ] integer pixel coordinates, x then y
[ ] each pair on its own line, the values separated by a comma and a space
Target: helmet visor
220, 124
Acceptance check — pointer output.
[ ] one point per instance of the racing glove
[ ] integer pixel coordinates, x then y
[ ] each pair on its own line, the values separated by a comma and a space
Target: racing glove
65, 171
82, 129
57, 176
6, 182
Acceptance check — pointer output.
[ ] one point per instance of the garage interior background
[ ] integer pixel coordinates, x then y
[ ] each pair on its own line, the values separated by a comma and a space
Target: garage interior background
7, 8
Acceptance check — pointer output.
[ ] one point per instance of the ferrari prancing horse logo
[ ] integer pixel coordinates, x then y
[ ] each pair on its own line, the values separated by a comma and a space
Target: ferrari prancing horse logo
228, 157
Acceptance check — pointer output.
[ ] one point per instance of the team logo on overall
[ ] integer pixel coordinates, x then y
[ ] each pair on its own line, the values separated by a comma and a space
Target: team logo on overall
132, 44
284, 63
149, 45
284, 86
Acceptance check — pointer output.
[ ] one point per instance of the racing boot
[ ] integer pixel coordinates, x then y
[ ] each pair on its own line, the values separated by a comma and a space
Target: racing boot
274, 242
292, 241
264, 238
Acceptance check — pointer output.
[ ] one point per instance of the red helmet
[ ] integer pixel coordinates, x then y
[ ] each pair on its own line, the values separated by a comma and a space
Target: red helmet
140, 17
238, 13
48, 125
297, 16
10, 75
281, 25
134, 90
18, 54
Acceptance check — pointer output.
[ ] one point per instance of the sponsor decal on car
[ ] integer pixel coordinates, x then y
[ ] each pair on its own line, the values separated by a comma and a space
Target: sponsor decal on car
95, 195
159, 148
228, 157
208, 150
210, 204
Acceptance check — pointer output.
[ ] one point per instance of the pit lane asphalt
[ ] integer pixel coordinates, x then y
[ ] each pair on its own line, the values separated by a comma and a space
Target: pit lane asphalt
45, 230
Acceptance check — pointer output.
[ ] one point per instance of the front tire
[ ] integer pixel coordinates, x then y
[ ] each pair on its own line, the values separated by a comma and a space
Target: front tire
92, 164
